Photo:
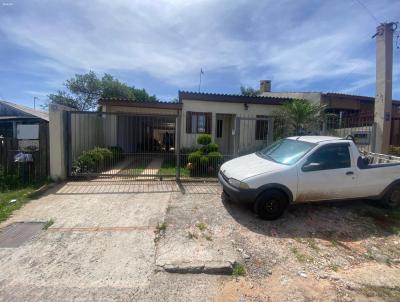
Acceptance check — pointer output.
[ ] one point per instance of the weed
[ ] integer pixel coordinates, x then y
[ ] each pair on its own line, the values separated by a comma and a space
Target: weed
161, 227
336, 243
334, 267
48, 224
201, 226
160, 231
302, 258
192, 235
208, 237
238, 269
313, 244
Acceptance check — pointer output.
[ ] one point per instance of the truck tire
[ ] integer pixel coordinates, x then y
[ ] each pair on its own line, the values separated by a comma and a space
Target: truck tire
271, 204
391, 199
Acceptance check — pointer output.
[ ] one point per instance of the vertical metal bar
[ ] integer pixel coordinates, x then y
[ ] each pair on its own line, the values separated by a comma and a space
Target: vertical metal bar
270, 134
178, 122
68, 143
237, 136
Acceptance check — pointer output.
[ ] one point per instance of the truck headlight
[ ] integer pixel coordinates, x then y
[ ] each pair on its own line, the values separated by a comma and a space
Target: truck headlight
238, 184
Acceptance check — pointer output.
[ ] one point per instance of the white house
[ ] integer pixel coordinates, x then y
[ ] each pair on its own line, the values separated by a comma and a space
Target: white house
236, 123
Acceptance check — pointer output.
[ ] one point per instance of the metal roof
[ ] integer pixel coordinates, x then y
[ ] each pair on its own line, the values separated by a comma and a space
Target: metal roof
232, 98
26, 110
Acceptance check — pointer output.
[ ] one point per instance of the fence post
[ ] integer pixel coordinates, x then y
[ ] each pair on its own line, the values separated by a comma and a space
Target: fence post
236, 137
178, 123
324, 127
372, 138
270, 134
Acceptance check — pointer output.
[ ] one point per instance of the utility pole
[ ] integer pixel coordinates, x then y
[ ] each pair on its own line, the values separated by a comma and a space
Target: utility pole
201, 73
383, 97
34, 102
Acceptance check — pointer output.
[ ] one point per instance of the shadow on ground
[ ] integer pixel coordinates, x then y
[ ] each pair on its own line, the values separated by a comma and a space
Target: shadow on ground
332, 221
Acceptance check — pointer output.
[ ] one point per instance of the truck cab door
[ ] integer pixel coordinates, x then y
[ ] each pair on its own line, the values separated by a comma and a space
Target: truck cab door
327, 173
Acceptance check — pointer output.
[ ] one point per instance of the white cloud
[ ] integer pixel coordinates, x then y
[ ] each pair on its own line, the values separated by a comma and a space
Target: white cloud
295, 42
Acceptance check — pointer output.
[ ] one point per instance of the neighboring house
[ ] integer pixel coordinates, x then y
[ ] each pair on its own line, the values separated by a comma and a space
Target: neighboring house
357, 109
23, 129
215, 114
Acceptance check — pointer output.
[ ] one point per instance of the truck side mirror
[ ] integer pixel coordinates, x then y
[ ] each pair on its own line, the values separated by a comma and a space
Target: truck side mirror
308, 167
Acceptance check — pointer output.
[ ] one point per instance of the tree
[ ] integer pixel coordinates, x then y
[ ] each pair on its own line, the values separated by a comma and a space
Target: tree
249, 91
84, 91
298, 117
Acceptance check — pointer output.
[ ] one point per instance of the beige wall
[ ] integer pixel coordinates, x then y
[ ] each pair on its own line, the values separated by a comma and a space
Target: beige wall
247, 128
57, 134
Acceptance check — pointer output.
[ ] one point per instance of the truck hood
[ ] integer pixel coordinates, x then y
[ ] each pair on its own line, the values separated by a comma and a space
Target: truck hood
249, 165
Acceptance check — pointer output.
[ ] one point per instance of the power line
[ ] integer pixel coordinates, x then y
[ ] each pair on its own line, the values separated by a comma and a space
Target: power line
368, 11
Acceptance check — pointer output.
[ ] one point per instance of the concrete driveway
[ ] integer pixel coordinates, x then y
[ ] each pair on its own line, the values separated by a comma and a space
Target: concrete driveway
100, 247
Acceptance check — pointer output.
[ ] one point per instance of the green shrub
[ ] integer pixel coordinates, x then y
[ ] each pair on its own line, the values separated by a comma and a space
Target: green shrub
393, 150
95, 160
206, 160
212, 147
204, 139
116, 152
194, 157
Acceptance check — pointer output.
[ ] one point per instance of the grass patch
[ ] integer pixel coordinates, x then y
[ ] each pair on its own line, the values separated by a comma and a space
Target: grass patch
168, 167
137, 166
201, 226
48, 224
238, 269
302, 258
208, 237
14, 200
313, 244
161, 227
334, 267
386, 293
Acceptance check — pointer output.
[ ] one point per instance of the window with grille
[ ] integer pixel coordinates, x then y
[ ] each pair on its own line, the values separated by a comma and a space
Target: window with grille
198, 122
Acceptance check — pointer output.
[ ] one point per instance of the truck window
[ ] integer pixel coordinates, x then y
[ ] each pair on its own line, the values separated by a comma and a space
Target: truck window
336, 156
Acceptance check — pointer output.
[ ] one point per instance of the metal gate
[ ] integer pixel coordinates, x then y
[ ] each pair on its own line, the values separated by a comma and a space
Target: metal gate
121, 145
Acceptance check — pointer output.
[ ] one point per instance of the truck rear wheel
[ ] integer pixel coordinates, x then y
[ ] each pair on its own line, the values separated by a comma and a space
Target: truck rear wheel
391, 199
271, 204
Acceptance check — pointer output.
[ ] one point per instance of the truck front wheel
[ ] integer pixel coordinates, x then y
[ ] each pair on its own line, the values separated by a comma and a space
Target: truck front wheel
271, 204
391, 199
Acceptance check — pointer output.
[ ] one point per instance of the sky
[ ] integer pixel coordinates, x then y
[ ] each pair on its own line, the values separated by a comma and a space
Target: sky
159, 45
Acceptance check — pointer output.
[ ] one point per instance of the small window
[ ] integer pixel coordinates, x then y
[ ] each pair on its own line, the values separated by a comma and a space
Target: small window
219, 128
198, 122
331, 157
261, 128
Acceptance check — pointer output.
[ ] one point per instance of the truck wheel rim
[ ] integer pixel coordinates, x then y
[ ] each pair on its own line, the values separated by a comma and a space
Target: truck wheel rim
395, 197
272, 206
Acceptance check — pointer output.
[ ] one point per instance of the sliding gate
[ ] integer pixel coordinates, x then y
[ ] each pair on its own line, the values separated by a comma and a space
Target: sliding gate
121, 145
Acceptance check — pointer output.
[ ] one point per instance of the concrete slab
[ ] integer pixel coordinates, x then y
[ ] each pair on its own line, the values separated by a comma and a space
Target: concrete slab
196, 240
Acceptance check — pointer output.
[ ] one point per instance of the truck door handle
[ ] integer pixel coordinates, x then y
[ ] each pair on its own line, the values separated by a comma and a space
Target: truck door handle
349, 173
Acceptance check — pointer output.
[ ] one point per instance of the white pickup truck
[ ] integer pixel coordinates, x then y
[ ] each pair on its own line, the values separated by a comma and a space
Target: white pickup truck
305, 169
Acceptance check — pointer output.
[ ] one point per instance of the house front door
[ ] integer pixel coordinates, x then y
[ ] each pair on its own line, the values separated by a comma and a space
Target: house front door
223, 133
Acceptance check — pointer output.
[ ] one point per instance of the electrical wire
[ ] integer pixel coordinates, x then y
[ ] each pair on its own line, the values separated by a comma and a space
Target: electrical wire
368, 11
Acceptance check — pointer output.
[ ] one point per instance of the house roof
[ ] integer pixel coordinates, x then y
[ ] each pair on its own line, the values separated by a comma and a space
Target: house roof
231, 98
353, 96
26, 111
137, 103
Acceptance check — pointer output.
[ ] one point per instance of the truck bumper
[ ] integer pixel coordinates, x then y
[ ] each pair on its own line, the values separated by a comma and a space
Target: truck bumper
236, 194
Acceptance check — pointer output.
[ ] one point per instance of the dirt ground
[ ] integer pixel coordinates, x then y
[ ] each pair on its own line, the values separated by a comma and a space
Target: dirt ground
108, 240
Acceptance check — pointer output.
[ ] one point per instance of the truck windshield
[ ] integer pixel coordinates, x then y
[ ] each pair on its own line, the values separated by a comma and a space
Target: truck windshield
286, 151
